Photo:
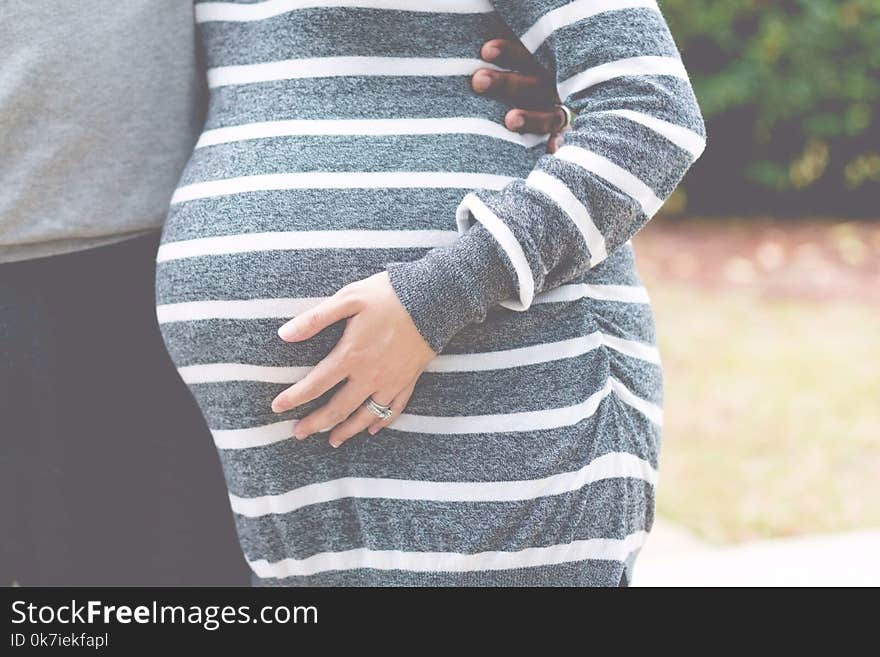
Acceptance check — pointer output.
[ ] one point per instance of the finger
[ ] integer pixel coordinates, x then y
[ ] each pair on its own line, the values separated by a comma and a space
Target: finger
342, 404
356, 422
314, 320
511, 54
520, 90
323, 376
538, 122
397, 406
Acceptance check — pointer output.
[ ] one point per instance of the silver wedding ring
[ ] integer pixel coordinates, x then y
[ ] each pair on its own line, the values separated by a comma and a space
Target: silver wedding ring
378, 409
569, 117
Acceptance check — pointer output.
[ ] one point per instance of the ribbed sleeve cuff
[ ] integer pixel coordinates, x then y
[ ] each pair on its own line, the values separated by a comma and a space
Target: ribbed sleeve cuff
453, 286
471, 208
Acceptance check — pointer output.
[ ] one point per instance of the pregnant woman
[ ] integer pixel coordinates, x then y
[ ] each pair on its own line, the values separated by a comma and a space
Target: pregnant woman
421, 343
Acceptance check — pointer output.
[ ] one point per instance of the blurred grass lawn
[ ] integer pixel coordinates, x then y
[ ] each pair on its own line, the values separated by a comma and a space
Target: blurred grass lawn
772, 413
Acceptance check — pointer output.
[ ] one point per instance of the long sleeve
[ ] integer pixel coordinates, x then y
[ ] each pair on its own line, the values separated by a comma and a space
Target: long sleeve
637, 130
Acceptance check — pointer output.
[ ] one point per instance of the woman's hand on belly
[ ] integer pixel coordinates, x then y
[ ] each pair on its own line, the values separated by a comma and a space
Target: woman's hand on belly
381, 355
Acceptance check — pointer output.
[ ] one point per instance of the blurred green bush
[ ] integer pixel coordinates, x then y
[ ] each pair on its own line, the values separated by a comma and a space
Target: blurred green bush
791, 93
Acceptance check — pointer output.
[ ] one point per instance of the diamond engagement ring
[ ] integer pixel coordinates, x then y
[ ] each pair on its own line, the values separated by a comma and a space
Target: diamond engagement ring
378, 409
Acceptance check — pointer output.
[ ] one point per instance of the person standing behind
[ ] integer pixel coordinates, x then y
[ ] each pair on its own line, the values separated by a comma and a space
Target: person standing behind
100, 103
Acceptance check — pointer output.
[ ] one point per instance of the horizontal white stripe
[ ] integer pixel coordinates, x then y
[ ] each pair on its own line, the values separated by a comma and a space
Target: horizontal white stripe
648, 65
572, 13
651, 411
616, 175
617, 465
460, 125
542, 353
472, 206
230, 11
329, 67
519, 357
254, 436
684, 138
339, 180
562, 196
221, 372
318, 239
632, 348
551, 418
575, 291
605, 549
192, 311
473, 362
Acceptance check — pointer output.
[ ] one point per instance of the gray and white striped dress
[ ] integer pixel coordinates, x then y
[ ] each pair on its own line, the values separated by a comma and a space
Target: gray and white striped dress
343, 139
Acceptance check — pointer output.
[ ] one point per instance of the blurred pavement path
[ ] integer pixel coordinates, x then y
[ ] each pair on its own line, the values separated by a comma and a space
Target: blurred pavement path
674, 557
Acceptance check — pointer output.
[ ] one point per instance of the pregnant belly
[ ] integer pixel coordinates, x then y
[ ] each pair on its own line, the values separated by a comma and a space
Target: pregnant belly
219, 316
222, 298
256, 235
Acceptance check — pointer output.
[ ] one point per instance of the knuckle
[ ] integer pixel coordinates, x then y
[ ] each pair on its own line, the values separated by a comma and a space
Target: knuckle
491, 75
347, 292
356, 354
331, 418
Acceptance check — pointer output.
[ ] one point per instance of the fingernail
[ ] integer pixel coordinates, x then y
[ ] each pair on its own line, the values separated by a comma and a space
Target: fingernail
288, 332
334, 445
482, 81
516, 121
299, 434
491, 53
372, 431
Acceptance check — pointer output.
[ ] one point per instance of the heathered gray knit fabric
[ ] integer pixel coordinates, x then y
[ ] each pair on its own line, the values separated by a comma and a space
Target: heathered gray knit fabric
343, 139
101, 102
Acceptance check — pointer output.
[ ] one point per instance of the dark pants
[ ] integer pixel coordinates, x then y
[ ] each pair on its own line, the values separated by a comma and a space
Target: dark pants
108, 475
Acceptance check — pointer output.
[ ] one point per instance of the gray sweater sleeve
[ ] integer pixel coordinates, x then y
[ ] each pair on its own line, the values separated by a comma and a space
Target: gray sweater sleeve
637, 130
